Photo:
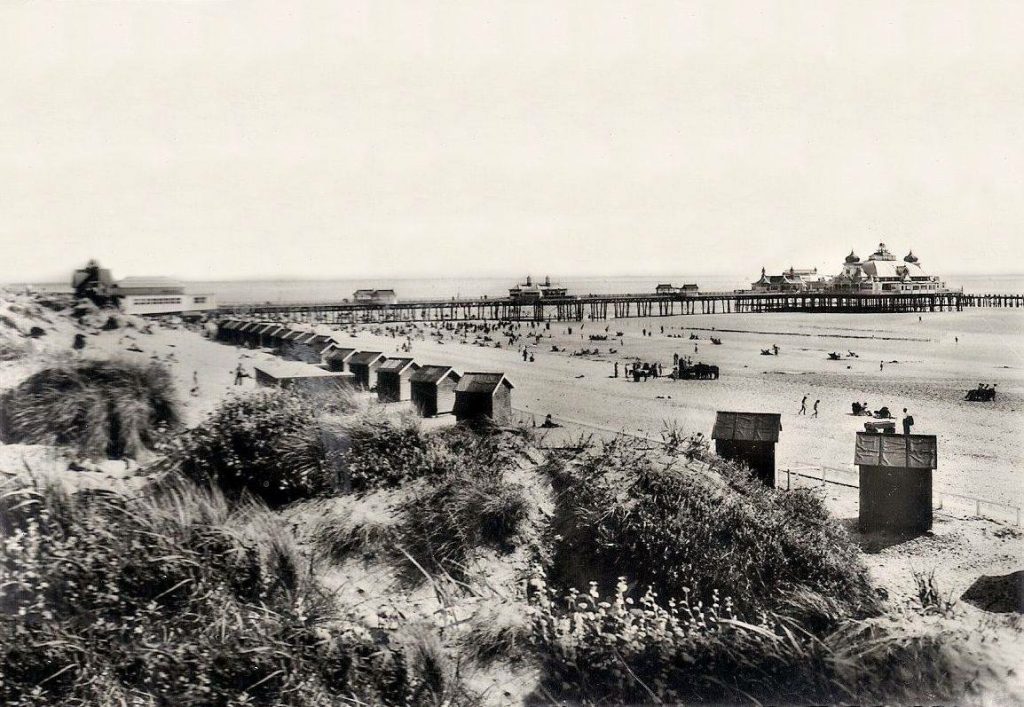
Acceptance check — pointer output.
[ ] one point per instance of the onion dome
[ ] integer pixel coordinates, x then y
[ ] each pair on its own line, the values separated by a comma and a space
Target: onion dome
911, 258
852, 258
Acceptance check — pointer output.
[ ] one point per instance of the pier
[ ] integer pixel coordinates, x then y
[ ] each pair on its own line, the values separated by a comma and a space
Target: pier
622, 306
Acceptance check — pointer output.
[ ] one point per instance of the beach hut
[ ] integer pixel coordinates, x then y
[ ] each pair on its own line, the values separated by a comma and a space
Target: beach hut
268, 337
393, 379
261, 333
364, 365
307, 347
895, 480
483, 395
245, 334
296, 375
749, 438
336, 358
290, 347
432, 389
226, 330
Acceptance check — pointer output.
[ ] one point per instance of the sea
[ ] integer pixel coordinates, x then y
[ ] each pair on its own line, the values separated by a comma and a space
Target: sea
294, 291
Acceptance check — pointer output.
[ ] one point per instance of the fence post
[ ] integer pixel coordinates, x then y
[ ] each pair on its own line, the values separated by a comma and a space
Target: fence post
788, 488
823, 482
1018, 516
977, 507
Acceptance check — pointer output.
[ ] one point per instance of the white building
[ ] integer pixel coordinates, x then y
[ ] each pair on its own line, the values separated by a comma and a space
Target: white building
882, 272
159, 295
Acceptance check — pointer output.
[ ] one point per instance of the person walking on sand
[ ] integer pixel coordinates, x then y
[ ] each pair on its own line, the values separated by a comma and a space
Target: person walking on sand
815, 408
195, 384
881, 365
616, 370
240, 374
803, 406
775, 349
908, 421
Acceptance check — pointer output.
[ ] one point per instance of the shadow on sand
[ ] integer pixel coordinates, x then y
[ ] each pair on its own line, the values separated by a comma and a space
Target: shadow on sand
875, 541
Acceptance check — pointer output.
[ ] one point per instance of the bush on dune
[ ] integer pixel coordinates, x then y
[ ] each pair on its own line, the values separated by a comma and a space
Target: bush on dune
617, 650
109, 409
624, 512
271, 443
178, 597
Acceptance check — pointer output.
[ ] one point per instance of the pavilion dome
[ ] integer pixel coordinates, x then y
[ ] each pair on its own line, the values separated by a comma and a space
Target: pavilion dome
910, 258
852, 258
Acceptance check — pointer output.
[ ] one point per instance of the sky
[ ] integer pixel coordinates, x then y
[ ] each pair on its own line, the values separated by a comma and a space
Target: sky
230, 139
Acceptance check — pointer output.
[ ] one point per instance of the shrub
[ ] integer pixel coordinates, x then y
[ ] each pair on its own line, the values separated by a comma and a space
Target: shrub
271, 443
102, 408
622, 512
175, 597
466, 508
622, 650
381, 453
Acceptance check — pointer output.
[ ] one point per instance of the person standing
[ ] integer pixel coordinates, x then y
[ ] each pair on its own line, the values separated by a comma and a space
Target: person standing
908, 421
881, 365
616, 369
240, 374
815, 408
803, 406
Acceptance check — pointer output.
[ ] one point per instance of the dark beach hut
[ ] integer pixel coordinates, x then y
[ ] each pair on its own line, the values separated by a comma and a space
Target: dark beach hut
364, 365
226, 330
895, 480
245, 334
336, 358
749, 438
479, 395
393, 379
432, 389
261, 333
289, 347
268, 338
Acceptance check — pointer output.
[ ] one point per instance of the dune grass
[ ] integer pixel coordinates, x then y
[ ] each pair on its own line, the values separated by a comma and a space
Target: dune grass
111, 409
179, 597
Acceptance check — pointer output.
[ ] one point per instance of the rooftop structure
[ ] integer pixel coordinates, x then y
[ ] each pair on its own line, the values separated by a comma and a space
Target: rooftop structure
530, 292
880, 272
368, 296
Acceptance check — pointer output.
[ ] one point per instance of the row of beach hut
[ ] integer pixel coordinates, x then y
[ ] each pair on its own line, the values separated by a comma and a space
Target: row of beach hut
432, 389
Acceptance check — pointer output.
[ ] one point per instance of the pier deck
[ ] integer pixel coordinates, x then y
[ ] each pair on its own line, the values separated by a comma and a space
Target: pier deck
600, 307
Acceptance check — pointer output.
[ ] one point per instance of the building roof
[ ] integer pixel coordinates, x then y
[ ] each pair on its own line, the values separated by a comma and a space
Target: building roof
229, 324
397, 365
477, 382
293, 335
337, 353
366, 357
247, 326
148, 283
747, 426
434, 374
890, 450
297, 369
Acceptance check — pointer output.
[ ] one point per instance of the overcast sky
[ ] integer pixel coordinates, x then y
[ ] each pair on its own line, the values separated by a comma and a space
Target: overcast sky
213, 140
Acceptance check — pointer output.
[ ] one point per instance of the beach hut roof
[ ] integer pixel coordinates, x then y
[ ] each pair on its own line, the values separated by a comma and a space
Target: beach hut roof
229, 324
434, 374
903, 451
397, 365
747, 426
322, 339
477, 382
296, 369
293, 335
333, 352
247, 327
366, 357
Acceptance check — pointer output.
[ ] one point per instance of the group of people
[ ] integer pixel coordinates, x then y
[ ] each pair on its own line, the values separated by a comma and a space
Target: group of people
803, 406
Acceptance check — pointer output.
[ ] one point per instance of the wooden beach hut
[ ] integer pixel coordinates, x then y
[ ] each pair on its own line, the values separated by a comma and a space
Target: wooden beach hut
895, 480
268, 337
296, 375
393, 379
336, 358
432, 390
364, 365
749, 438
246, 335
290, 347
226, 330
483, 395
